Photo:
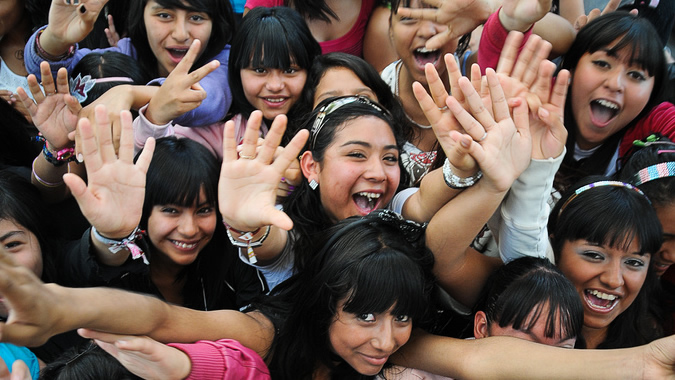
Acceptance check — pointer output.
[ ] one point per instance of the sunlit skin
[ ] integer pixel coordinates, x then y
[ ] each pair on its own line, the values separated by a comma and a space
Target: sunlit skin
273, 91
665, 257
607, 279
365, 341
341, 81
171, 32
180, 233
607, 93
537, 333
359, 172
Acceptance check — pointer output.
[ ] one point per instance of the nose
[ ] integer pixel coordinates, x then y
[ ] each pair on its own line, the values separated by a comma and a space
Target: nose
612, 276
275, 81
375, 171
180, 32
187, 225
667, 252
428, 29
383, 339
614, 80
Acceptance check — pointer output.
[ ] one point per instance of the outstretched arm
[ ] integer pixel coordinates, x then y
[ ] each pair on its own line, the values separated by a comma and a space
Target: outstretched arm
69, 23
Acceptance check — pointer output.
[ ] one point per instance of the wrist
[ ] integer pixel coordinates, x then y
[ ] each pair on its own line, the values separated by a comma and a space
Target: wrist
51, 48
455, 181
511, 23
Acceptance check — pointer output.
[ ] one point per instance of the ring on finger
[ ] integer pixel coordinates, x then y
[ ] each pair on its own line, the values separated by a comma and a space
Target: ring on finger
483, 138
442, 108
245, 157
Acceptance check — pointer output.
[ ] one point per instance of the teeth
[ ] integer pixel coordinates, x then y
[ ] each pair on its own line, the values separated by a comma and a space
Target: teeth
275, 100
370, 196
184, 245
425, 50
608, 104
601, 295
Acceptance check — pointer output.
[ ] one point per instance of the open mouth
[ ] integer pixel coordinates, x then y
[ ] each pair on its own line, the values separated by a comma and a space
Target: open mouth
177, 54
423, 56
366, 202
603, 111
275, 100
183, 245
600, 301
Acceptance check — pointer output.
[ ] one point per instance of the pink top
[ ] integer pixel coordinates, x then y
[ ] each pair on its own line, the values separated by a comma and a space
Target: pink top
492, 41
351, 42
661, 119
224, 359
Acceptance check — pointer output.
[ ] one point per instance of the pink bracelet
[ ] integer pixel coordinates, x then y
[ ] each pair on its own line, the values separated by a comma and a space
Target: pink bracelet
49, 57
42, 181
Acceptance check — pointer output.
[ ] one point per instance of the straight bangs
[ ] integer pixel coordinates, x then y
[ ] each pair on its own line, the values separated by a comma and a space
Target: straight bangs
643, 50
606, 215
385, 279
191, 6
522, 305
179, 170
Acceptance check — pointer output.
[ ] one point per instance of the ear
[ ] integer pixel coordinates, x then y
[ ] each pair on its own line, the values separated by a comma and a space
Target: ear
310, 167
480, 325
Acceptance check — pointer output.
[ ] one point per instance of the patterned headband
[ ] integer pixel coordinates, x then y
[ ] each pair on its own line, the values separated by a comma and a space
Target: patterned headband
335, 104
650, 173
600, 184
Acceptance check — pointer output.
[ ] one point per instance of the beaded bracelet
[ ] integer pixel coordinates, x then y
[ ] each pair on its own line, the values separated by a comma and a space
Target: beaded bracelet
128, 242
58, 158
50, 57
454, 181
247, 237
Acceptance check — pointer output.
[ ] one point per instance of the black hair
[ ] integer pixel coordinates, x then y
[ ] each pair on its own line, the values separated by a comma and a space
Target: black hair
662, 16
86, 362
366, 73
303, 205
661, 191
17, 138
517, 292
371, 263
312, 9
645, 49
105, 65
276, 37
223, 28
21, 203
614, 216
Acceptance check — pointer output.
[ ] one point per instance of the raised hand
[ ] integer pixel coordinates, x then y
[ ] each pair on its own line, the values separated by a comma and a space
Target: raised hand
143, 356
70, 21
181, 91
20, 371
461, 17
501, 143
112, 199
611, 6
521, 14
111, 33
249, 179
55, 111
13, 101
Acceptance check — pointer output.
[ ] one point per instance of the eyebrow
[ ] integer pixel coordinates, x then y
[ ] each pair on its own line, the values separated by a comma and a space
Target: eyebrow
10, 234
367, 145
357, 90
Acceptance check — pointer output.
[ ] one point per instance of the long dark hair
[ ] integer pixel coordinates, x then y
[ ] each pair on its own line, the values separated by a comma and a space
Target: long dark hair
371, 263
614, 216
638, 36
276, 38
222, 31
303, 205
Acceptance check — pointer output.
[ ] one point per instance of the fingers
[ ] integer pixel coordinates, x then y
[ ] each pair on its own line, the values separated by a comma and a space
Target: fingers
441, 39
251, 134
521, 119
454, 73
499, 104
507, 58
229, 144
541, 90
190, 57
470, 125
27, 102
126, 149
481, 120
529, 58
611, 6
62, 81
427, 104
47, 79
559, 94
436, 86
103, 131
273, 139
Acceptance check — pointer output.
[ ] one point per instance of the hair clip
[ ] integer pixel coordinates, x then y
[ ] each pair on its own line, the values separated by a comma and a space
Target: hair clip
81, 85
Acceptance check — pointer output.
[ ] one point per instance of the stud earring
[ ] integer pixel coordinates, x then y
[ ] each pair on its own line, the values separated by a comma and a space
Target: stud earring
313, 184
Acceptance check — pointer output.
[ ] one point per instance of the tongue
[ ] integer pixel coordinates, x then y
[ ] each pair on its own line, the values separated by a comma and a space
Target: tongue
425, 58
178, 54
599, 301
363, 202
601, 113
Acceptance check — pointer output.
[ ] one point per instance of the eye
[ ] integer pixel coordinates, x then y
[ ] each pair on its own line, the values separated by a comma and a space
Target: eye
593, 255
635, 263
402, 318
205, 210
391, 158
291, 70
169, 210
259, 70
198, 18
163, 15
356, 155
637, 75
368, 317
602, 64
13, 244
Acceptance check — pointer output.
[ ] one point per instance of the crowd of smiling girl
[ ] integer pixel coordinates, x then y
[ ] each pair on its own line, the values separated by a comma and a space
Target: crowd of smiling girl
298, 215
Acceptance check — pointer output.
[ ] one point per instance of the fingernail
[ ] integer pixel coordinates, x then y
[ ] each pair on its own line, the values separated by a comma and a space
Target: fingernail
543, 113
283, 179
80, 158
291, 188
465, 143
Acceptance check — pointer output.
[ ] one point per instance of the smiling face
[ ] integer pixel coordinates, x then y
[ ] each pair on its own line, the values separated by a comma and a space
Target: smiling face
607, 279
359, 172
607, 93
179, 233
341, 81
273, 91
409, 37
665, 257
365, 341
171, 32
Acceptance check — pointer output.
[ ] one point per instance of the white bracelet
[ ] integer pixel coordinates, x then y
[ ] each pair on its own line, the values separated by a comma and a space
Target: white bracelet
248, 243
454, 181
128, 242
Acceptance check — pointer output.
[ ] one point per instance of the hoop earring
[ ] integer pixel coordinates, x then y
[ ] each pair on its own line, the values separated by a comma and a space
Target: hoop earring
313, 184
